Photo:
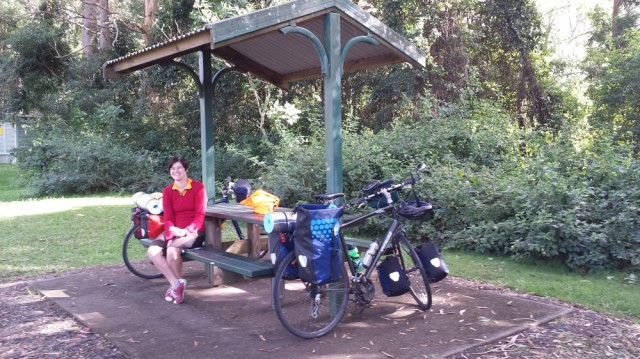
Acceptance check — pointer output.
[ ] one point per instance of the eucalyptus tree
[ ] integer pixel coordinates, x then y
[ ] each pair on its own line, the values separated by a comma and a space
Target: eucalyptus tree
613, 69
495, 48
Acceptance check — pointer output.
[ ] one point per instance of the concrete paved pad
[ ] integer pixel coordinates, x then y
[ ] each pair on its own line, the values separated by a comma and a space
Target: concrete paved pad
237, 321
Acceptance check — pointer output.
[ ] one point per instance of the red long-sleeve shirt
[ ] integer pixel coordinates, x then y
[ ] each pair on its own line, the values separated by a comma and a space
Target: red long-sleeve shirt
184, 209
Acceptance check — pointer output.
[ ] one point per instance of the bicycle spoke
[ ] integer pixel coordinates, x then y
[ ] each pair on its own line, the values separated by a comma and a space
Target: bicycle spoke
419, 284
307, 310
135, 257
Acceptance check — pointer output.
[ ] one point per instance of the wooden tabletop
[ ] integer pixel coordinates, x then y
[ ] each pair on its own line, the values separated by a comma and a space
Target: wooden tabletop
238, 212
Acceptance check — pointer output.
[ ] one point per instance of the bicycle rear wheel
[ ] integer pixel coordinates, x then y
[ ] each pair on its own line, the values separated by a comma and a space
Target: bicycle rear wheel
418, 281
307, 310
135, 257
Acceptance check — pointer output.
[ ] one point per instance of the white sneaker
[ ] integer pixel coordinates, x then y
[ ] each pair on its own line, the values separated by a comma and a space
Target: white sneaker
168, 295
178, 293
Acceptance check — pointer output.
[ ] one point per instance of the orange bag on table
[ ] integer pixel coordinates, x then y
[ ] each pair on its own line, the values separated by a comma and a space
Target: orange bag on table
262, 202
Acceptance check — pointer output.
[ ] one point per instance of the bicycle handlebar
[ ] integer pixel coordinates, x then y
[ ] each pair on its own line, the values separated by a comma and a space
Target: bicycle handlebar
228, 189
386, 190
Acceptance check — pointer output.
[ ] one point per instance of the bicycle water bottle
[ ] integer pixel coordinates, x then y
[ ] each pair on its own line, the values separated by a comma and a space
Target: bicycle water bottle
355, 258
368, 257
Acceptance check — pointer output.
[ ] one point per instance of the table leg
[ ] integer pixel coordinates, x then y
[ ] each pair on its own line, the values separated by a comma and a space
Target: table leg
214, 232
214, 239
253, 236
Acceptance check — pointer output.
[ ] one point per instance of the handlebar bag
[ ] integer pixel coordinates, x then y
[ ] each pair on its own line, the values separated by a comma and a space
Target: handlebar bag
151, 225
316, 242
393, 280
281, 245
379, 201
432, 261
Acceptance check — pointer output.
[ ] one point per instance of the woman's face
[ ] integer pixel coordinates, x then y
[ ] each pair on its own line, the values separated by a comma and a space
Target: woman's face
178, 172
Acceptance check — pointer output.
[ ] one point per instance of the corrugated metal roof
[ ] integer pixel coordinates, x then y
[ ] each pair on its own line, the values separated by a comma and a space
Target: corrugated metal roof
253, 42
156, 46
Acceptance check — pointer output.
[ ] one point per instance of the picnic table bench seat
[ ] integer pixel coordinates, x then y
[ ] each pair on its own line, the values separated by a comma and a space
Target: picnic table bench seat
248, 267
237, 263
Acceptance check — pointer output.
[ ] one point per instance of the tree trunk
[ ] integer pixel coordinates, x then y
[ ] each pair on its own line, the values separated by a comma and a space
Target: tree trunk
150, 13
103, 22
88, 26
614, 17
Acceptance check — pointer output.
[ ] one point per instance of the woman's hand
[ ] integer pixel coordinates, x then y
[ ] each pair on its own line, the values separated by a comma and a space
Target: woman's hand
178, 232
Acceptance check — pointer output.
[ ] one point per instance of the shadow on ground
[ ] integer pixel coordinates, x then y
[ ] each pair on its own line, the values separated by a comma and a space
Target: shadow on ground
232, 321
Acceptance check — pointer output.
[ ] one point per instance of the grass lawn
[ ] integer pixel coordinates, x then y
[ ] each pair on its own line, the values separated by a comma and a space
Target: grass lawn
610, 292
11, 184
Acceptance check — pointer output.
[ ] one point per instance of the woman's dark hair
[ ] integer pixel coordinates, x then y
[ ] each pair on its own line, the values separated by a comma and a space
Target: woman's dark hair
183, 161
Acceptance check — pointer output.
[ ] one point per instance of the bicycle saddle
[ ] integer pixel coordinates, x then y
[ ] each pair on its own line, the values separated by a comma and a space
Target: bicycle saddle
328, 197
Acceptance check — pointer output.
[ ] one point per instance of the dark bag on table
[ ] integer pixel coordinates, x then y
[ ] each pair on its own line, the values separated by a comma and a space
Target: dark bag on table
432, 261
316, 242
393, 279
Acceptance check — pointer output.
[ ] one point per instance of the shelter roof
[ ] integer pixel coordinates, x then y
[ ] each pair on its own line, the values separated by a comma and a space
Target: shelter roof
253, 43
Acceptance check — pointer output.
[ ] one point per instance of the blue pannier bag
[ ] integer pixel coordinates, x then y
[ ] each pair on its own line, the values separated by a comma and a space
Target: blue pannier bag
281, 245
316, 242
393, 279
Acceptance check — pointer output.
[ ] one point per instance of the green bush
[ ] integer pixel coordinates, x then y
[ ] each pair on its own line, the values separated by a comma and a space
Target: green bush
577, 207
562, 198
87, 164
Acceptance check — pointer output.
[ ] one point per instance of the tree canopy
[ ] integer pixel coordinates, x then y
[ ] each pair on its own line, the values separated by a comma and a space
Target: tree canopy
523, 160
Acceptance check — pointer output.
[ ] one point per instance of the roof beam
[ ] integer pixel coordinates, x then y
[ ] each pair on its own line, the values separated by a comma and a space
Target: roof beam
157, 54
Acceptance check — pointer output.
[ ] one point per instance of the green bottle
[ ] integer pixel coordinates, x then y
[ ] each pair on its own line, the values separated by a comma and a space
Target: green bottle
355, 258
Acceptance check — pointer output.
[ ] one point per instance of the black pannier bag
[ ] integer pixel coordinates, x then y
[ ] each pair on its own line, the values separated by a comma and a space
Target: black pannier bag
432, 261
393, 279
316, 242
281, 244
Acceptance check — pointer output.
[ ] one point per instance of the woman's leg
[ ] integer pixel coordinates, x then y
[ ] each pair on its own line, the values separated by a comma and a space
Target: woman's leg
156, 255
174, 260
174, 252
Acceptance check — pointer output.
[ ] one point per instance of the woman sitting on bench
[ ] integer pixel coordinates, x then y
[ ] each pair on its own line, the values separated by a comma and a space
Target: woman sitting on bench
184, 203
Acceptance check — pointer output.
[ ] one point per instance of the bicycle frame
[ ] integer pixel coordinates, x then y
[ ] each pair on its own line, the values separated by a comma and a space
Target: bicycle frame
395, 225
228, 189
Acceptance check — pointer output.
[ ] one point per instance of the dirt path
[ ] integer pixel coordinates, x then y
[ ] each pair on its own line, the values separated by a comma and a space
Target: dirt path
32, 327
583, 334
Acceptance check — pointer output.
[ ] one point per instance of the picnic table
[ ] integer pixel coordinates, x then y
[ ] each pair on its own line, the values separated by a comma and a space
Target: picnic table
226, 262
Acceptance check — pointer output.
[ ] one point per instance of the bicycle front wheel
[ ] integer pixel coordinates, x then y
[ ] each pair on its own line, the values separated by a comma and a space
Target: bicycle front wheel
135, 257
308, 310
418, 281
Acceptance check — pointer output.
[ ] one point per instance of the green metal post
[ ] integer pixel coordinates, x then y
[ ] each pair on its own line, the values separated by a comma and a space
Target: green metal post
333, 103
206, 123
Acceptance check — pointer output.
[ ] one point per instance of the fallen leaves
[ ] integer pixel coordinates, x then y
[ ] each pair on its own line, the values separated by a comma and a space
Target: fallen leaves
387, 354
